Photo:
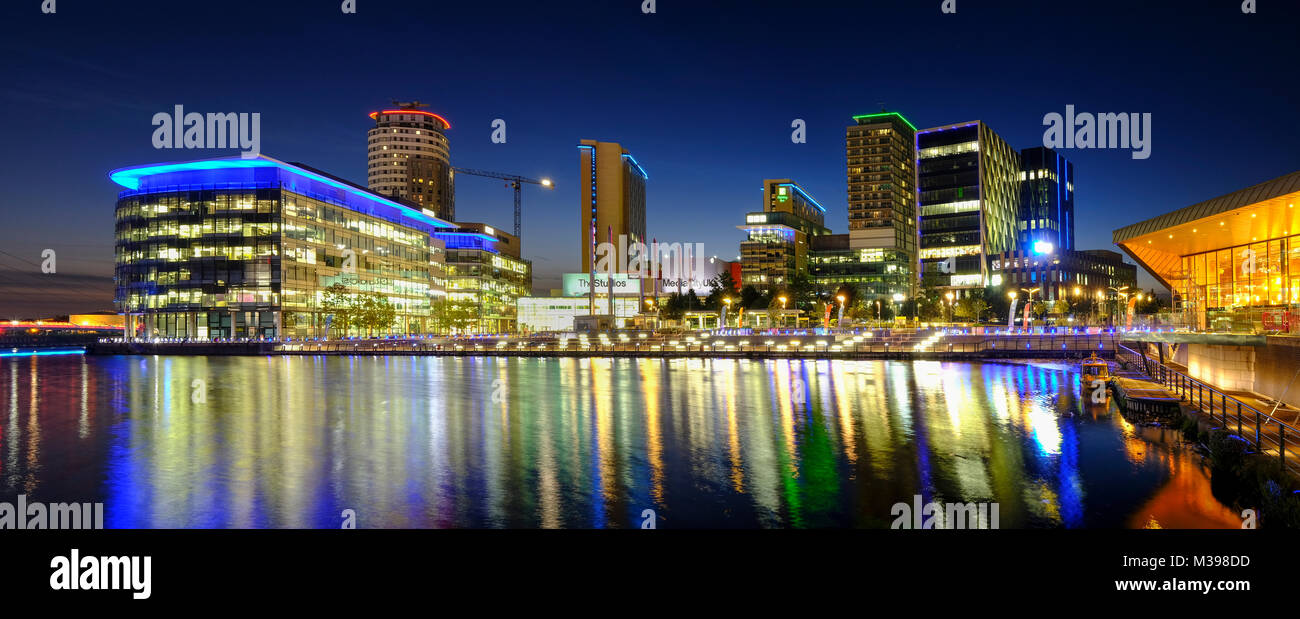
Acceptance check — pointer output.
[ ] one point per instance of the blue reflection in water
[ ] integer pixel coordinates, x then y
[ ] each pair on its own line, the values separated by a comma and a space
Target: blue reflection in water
424, 442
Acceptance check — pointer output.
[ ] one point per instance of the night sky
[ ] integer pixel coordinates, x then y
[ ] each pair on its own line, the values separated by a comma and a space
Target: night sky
702, 93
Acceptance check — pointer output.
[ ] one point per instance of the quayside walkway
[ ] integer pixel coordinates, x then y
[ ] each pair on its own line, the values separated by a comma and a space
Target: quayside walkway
1270, 428
879, 344
934, 345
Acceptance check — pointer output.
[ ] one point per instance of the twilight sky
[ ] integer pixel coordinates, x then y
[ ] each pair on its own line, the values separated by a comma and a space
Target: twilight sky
702, 93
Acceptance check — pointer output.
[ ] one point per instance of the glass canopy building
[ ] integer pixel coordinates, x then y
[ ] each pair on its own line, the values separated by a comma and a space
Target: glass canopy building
1233, 262
245, 248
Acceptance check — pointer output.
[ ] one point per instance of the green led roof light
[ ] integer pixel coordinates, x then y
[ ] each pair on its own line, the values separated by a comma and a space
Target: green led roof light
900, 117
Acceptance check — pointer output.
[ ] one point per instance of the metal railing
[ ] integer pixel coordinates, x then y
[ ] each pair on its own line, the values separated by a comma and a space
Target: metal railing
1266, 432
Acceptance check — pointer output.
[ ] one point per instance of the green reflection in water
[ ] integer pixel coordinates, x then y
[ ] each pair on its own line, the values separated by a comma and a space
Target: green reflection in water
504, 442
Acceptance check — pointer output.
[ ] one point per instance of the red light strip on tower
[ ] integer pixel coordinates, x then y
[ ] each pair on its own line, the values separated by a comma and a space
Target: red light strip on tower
444, 120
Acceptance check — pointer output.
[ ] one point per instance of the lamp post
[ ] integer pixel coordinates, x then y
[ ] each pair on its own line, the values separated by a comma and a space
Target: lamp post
783, 300
1096, 307
898, 298
1029, 300
1121, 292
727, 301
949, 296
1011, 310
1077, 291
839, 321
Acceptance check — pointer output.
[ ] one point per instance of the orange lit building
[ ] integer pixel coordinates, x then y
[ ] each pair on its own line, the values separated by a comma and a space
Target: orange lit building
1233, 262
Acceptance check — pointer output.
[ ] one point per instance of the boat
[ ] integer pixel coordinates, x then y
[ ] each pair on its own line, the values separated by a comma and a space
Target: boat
1092, 370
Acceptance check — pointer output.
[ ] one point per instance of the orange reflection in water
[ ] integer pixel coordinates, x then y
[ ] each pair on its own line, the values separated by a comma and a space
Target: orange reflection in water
1185, 501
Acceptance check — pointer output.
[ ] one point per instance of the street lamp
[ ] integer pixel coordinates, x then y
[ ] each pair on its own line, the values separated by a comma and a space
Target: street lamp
1121, 292
726, 300
1029, 299
949, 295
839, 322
783, 300
898, 298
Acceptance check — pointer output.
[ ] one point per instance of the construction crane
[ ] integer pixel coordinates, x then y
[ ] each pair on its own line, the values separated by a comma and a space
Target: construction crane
512, 180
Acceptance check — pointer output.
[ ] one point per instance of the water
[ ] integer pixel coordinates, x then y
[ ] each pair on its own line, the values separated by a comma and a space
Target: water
504, 442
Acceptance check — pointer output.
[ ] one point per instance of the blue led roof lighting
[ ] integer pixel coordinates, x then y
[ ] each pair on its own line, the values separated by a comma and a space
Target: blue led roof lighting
468, 240
805, 195
133, 177
638, 166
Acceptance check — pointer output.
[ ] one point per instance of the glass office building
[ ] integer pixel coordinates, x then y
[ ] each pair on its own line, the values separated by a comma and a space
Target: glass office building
1046, 219
245, 248
968, 183
484, 269
776, 247
877, 274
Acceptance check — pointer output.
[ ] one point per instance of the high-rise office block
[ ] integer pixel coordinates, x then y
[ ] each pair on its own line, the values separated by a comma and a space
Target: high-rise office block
1046, 219
969, 198
408, 158
612, 197
777, 246
880, 151
611, 206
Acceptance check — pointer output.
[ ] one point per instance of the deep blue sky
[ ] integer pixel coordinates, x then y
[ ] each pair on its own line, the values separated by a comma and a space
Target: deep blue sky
702, 92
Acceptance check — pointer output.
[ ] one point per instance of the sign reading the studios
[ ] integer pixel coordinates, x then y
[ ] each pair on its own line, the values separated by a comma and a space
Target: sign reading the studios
579, 284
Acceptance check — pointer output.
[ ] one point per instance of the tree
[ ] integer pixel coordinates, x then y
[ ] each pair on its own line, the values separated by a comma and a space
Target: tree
927, 308
692, 300
859, 311
752, 299
1083, 306
719, 287
380, 314
1150, 303
972, 307
800, 291
1039, 309
999, 303
339, 303
774, 307
454, 316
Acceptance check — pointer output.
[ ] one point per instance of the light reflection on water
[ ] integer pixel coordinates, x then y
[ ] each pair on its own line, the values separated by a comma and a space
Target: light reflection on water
505, 442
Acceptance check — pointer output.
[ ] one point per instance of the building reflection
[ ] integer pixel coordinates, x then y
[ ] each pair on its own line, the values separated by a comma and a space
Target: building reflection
590, 443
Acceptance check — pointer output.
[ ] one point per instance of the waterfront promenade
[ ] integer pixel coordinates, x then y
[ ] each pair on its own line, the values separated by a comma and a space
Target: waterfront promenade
881, 344
1269, 427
